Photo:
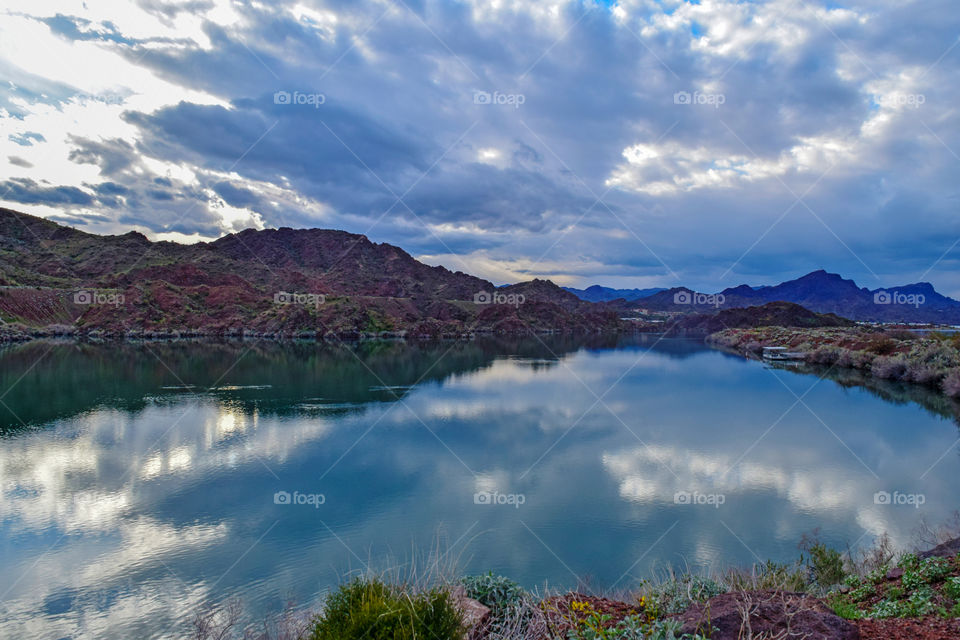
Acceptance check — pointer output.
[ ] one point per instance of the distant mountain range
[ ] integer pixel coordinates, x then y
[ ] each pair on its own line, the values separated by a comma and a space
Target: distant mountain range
275, 281
596, 293
319, 282
818, 291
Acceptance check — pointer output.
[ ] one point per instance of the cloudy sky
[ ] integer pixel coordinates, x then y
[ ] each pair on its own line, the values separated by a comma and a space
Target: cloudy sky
636, 143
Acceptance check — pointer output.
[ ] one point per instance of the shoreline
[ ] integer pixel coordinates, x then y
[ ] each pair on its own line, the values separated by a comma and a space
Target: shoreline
894, 355
24, 335
873, 593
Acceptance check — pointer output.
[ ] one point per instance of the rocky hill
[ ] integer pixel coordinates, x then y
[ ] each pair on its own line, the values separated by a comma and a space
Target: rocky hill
772, 314
270, 282
818, 291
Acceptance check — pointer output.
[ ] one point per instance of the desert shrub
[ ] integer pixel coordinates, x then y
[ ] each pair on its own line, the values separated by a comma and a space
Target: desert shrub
804, 346
496, 592
514, 613
936, 354
862, 359
526, 619
889, 367
769, 576
951, 384
925, 373
873, 561
372, 610
679, 592
826, 354
845, 358
881, 345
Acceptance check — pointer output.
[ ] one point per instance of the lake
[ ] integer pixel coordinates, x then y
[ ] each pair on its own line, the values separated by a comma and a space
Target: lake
140, 481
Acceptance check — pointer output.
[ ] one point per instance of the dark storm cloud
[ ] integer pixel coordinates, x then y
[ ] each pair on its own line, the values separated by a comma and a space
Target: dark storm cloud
236, 195
112, 156
31, 192
294, 141
111, 188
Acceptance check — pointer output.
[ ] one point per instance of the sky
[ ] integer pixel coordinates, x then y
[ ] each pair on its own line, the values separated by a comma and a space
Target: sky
632, 144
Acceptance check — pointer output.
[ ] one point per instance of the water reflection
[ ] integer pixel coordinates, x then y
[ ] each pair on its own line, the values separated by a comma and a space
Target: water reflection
138, 480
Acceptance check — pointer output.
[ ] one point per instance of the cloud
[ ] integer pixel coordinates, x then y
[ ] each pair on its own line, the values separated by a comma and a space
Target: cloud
31, 192
710, 142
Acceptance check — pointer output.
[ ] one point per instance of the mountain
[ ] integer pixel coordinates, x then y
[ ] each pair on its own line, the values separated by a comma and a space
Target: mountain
821, 292
771, 314
275, 281
596, 293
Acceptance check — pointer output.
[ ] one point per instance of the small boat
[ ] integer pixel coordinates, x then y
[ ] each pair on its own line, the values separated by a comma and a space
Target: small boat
781, 353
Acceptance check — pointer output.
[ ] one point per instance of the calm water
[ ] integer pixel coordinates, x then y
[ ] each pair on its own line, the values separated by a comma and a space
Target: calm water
141, 481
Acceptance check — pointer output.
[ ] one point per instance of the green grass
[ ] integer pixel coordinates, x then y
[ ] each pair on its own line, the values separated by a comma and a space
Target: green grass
368, 609
844, 608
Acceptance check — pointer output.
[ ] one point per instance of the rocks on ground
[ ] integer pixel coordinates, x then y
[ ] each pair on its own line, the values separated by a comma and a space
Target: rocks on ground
475, 613
766, 614
948, 549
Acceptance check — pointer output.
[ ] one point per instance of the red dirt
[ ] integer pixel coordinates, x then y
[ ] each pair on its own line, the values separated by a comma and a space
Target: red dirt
930, 628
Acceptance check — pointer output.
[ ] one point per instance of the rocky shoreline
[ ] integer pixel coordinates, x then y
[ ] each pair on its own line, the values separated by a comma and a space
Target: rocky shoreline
931, 360
18, 334
826, 595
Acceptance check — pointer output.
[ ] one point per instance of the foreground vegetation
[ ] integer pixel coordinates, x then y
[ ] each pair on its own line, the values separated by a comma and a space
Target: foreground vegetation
823, 589
932, 360
914, 588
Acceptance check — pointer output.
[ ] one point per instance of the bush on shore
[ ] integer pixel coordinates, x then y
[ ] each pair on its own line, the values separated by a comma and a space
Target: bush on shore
371, 609
889, 367
951, 384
